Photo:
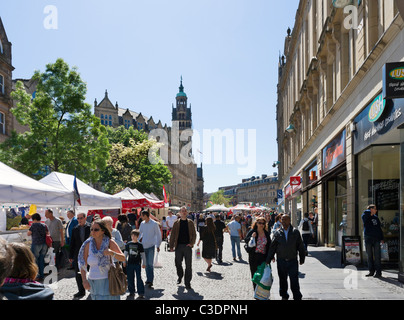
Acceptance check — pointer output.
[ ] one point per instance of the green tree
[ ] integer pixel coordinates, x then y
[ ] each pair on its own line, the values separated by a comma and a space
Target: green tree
133, 163
63, 134
219, 198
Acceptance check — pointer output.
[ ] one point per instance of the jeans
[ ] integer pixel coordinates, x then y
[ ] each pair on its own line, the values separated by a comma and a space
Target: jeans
149, 253
373, 252
131, 271
235, 241
288, 268
184, 251
219, 249
306, 238
39, 251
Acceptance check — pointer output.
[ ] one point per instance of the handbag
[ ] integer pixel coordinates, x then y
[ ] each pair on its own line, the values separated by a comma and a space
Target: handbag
49, 240
118, 283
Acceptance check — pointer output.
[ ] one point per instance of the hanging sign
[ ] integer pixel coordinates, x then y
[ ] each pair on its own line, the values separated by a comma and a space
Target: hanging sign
393, 80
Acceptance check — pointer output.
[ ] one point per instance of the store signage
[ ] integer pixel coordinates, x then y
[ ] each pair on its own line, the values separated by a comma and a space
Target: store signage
368, 132
393, 80
334, 152
295, 181
376, 108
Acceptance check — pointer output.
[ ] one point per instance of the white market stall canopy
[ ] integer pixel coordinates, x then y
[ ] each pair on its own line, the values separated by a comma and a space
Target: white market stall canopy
90, 198
17, 188
217, 208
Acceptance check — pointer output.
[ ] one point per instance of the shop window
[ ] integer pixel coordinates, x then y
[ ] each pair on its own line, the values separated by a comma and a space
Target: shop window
379, 184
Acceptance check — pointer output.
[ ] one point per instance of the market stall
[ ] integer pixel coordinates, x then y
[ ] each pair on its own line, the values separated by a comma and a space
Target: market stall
17, 193
90, 198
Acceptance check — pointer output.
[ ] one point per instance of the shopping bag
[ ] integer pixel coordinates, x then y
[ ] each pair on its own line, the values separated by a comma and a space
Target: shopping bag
384, 250
198, 253
157, 263
267, 279
261, 294
258, 276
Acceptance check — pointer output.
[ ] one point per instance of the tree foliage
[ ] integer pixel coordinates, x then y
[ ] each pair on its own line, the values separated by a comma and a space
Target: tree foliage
63, 134
219, 198
133, 163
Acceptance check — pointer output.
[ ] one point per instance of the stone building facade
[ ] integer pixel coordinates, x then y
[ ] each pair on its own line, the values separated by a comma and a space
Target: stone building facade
8, 123
259, 190
186, 187
331, 78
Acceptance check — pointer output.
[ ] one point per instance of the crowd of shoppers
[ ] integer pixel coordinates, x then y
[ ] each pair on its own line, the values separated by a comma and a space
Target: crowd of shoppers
135, 238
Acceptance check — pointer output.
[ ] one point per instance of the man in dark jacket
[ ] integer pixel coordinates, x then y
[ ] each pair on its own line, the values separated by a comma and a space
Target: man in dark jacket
287, 244
80, 233
373, 237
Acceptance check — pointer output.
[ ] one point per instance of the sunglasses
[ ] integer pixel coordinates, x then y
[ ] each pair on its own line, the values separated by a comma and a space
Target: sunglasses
93, 229
260, 222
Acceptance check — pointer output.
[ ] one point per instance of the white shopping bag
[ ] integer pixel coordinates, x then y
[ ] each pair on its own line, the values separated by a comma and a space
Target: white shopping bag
156, 263
267, 279
384, 250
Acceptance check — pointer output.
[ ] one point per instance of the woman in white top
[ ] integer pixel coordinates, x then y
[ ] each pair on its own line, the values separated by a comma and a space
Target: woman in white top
96, 252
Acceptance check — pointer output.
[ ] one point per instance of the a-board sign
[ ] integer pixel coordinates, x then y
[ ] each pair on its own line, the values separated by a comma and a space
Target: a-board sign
351, 250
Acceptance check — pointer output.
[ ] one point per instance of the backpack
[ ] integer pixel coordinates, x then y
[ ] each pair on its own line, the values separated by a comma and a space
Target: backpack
306, 226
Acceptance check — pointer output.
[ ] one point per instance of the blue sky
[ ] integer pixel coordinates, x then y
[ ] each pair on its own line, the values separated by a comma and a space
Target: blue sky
226, 51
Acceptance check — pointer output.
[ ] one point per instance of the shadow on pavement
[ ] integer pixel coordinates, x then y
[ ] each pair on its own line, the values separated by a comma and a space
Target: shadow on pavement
330, 258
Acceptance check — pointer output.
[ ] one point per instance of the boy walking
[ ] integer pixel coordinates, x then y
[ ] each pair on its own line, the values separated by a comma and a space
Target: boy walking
134, 254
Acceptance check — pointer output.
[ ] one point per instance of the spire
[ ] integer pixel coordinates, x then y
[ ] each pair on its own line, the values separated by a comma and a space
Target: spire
181, 93
181, 86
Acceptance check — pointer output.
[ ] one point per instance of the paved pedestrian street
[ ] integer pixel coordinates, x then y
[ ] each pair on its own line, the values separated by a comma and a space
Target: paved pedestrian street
321, 278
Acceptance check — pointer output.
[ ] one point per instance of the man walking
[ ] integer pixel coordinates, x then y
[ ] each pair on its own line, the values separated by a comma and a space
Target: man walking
183, 237
234, 228
68, 233
150, 238
287, 244
80, 233
55, 227
373, 237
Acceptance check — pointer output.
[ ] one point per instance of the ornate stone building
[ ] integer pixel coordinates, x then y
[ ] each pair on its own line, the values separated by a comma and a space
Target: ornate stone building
186, 187
8, 123
336, 128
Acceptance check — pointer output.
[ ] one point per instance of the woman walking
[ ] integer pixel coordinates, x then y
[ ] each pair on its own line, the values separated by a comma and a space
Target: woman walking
97, 252
209, 242
257, 254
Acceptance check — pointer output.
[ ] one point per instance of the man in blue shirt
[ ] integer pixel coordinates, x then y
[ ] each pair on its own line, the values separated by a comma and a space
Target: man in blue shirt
234, 228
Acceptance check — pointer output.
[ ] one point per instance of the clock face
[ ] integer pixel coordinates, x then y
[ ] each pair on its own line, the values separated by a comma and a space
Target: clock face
341, 3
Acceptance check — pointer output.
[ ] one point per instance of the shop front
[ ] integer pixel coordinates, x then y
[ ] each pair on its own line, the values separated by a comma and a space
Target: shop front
334, 182
378, 146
